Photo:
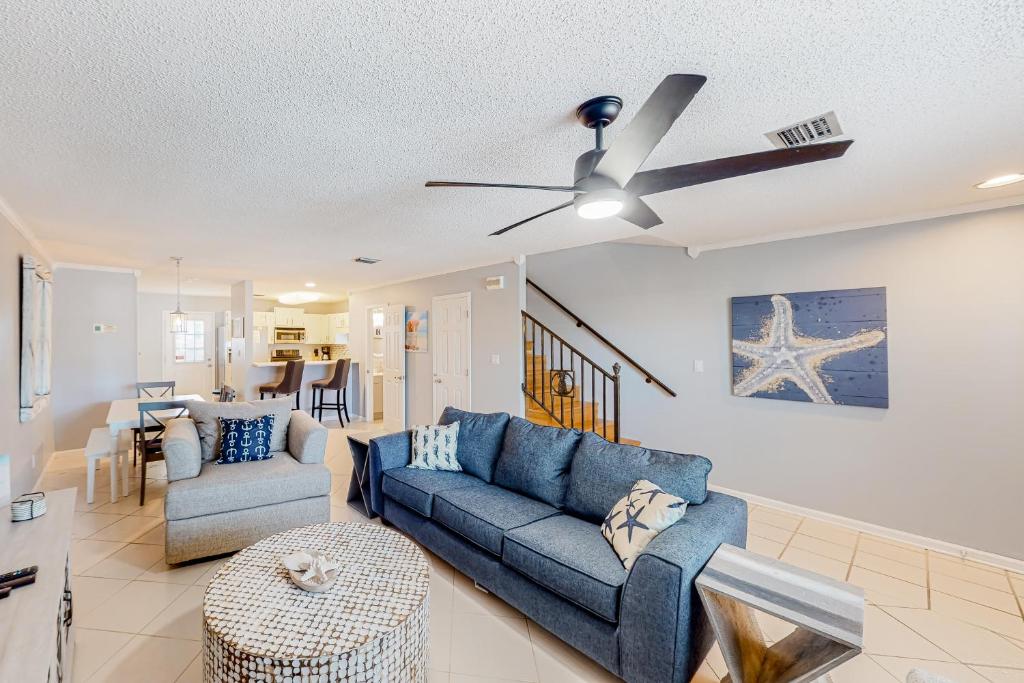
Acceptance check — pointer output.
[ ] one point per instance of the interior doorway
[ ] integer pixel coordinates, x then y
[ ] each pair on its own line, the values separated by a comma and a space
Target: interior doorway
451, 347
188, 354
373, 387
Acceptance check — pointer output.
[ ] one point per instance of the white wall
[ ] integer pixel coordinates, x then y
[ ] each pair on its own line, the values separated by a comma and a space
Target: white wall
495, 329
90, 370
150, 314
946, 460
26, 441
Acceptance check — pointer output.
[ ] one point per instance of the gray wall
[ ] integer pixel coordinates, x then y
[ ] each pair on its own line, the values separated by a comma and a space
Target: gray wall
23, 442
945, 460
150, 311
90, 370
495, 329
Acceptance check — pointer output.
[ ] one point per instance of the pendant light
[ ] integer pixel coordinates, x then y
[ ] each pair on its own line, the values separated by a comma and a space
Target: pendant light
178, 316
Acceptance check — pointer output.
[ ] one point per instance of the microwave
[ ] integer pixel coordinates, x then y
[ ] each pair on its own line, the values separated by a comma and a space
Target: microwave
289, 335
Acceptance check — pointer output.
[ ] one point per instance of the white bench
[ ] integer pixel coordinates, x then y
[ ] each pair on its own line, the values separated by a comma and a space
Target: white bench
99, 447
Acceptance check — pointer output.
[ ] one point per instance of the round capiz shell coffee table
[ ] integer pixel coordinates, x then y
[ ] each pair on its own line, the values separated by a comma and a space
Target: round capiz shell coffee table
371, 625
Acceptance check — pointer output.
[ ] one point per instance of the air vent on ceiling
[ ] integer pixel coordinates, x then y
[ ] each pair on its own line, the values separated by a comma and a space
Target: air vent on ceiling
806, 132
366, 259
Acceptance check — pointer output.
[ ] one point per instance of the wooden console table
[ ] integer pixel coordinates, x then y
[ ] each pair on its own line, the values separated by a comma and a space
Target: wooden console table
828, 614
36, 641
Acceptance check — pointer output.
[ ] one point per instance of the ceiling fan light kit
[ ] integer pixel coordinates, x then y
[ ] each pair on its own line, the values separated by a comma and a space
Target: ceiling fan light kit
608, 182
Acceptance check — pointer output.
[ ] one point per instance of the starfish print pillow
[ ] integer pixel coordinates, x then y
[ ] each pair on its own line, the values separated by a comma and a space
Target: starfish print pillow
434, 447
638, 517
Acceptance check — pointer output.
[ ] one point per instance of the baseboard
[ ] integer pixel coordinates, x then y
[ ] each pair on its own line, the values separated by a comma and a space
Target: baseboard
973, 554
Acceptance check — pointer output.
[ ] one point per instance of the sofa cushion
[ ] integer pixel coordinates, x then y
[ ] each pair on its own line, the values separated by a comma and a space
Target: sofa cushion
638, 518
570, 557
245, 485
482, 514
480, 438
535, 460
604, 472
434, 448
415, 489
207, 416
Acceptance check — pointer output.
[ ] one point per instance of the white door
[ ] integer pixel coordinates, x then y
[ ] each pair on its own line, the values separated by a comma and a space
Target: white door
188, 355
450, 343
394, 367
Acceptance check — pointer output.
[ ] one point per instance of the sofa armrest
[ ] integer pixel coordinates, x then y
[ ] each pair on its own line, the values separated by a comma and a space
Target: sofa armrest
664, 633
387, 453
182, 452
307, 438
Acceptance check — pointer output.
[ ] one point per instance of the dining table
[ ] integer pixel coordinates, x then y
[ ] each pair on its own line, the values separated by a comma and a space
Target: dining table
124, 414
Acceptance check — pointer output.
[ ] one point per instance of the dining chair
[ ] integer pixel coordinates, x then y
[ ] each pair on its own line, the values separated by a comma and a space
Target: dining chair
150, 422
226, 394
158, 389
290, 384
339, 383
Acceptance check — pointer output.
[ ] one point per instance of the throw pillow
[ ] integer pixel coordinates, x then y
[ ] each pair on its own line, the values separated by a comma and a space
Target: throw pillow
641, 515
535, 460
480, 438
434, 447
244, 440
207, 416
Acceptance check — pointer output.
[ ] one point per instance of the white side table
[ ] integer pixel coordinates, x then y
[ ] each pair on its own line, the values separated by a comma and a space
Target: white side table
828, 614
371, 625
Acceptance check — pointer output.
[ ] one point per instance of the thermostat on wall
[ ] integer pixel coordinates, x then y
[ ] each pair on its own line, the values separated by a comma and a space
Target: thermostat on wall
497, 282
103, 328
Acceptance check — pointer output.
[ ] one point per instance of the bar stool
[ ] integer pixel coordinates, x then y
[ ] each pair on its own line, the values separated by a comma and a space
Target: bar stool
339, 383
291, 384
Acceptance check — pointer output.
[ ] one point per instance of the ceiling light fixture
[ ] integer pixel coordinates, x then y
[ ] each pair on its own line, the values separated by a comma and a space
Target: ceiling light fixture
600, 203
366, 259
311, 284
292, 298
178, 316
1000, 181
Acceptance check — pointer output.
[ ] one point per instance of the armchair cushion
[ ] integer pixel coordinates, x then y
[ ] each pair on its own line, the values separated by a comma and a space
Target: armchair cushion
182, 451
207, 418
480, 438
246, 485
307, 438
604, 472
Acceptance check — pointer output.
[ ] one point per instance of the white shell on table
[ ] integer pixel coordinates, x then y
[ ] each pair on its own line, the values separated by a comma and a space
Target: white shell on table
370, 624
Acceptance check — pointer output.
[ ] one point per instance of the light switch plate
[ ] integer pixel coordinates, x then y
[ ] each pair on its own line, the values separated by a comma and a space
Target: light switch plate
698, 366
5, 479
495, 359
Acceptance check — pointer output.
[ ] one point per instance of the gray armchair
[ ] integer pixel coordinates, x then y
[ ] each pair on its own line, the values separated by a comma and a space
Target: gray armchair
214, 509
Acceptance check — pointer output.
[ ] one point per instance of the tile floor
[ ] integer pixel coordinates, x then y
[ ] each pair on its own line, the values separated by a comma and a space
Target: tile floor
139, 620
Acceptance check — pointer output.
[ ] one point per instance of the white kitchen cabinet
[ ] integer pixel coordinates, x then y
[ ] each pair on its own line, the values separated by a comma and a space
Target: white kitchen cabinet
263, 319
337, 327
316, 328
289, 317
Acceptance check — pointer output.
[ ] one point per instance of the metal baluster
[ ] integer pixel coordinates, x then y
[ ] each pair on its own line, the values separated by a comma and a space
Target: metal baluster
604, 405
593, 397
618, 418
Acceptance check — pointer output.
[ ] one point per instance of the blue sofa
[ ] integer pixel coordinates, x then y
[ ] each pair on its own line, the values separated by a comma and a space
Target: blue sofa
523, 520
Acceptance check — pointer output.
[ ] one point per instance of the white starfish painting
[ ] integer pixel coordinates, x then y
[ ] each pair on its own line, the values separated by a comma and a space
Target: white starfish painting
781, 356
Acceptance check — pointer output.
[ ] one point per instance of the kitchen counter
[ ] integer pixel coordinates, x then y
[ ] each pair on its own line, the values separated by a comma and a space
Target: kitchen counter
282, 363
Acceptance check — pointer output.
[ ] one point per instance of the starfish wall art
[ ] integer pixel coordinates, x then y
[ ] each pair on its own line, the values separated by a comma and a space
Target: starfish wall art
822, 347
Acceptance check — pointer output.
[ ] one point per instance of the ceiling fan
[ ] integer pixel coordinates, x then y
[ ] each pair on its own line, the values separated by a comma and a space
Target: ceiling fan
607, 183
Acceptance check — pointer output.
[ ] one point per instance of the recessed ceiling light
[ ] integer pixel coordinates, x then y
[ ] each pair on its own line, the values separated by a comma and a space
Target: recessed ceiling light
311, 284
292, 298
999, 181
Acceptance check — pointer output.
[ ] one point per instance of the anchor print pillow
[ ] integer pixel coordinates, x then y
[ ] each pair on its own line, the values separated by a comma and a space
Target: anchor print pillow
244, 440
638, 517
434, 446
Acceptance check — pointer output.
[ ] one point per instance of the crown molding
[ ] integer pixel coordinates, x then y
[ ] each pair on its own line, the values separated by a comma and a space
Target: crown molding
8, 212
88, 266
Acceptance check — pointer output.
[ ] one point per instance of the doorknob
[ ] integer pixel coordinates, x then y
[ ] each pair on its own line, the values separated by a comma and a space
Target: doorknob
437, 380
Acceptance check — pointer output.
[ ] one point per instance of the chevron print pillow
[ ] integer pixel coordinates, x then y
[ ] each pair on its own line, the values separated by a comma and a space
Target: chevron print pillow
434, 446
638, 517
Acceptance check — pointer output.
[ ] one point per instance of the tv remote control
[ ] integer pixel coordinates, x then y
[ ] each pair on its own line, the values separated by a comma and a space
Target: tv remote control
21, 581
17, 574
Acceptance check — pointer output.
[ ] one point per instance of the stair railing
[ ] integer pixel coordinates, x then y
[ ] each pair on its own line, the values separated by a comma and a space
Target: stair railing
648, 377
556, 373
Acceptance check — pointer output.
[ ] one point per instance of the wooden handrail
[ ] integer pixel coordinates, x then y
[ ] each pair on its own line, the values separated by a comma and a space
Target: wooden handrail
648, 377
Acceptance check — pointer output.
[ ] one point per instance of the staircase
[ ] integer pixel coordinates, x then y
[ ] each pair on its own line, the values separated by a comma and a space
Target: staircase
564, 388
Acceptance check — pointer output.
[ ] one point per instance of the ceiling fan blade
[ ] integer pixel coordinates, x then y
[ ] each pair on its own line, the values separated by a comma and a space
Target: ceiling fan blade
636, 142
527, 220
445, 183
674, 177
637, 212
